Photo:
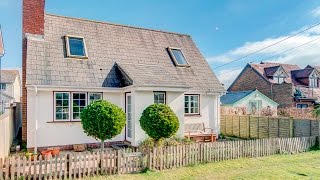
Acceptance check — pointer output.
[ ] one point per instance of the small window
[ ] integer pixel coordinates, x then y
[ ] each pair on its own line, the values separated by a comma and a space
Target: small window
79, 102
178, 57
313, 82
3, 86
62, 106
94, 97
279, 79
159, 97
76, 47
302, 106
191, 104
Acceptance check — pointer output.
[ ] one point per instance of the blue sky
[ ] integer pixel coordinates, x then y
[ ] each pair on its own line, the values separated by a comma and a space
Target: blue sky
223, 30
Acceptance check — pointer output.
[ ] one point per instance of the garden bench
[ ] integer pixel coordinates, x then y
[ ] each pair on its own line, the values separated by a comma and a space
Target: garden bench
198, 132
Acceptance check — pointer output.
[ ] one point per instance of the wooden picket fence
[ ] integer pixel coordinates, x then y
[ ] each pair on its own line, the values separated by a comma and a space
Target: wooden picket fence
72, 166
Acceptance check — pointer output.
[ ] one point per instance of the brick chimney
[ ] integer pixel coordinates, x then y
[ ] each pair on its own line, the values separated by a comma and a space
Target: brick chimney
32, 23
33, 16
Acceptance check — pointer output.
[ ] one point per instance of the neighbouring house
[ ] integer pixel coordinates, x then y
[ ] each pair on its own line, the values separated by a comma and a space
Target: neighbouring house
250, 102
70, 62
288, 85
10, 88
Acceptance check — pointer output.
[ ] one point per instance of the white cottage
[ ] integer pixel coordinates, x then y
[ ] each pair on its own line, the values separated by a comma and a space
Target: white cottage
69, 62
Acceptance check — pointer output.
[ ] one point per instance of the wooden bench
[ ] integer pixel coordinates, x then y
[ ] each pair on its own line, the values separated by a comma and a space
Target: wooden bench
199, 133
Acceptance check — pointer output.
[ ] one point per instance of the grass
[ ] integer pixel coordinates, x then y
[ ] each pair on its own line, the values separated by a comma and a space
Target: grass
299, 166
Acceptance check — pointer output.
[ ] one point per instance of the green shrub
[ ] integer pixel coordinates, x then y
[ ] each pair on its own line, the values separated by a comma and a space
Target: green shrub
172, 141
102, 120
159, 121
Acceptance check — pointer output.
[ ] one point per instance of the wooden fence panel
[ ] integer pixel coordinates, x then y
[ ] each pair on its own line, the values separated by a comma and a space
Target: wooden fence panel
235, 125
229, 122
315, 128
254, 130
302, 128
263, 127
273, 127
244, 126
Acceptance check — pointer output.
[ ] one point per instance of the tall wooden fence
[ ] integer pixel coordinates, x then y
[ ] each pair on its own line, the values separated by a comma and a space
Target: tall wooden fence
71, 166
7, 132
268, 127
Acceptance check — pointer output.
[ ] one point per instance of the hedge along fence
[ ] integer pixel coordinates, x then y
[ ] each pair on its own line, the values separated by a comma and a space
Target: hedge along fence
78, 165
268, 127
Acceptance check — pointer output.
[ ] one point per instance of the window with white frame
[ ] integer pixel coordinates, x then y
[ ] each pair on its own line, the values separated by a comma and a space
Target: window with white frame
279, 76
159, 97
191, 104
314, 80
302, 106
94, 97
76, 47
68, 106
178, 57
3, 86
79, 102
62, 100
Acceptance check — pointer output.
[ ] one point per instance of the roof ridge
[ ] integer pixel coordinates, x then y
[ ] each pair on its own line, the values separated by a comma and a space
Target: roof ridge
115, 24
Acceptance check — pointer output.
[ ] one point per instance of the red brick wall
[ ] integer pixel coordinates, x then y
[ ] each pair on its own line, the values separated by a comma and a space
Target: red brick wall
250, 80
283, 94
32, 23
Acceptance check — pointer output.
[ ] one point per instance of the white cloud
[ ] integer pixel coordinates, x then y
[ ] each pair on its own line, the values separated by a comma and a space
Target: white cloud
302, 56
316, 12
227, 76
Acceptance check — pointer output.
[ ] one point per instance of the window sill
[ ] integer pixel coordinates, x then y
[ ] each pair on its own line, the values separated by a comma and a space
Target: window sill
62, 122
192, 115
77, 57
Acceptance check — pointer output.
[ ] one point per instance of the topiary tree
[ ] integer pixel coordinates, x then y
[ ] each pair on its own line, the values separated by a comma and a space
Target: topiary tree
102, 120
159, 121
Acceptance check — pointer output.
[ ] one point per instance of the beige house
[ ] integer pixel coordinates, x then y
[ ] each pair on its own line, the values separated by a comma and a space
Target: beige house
10, 88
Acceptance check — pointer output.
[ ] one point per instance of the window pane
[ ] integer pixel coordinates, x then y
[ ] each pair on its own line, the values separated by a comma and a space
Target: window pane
179, 57
76, 46
58, 116
65, 95
65, 103
95, 96
159, 98
62, 106
78, 104
58, 102
58, 95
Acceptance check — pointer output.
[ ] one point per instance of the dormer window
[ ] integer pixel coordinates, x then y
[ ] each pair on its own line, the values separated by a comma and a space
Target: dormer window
178, 57
279, 76
314, 81
76, 47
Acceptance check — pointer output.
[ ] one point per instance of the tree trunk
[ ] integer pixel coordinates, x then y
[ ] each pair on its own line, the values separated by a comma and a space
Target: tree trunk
102, 145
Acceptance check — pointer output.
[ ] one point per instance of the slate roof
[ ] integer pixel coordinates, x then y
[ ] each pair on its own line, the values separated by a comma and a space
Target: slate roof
233, 97
302, 73
140, 53
9, 76
271, 70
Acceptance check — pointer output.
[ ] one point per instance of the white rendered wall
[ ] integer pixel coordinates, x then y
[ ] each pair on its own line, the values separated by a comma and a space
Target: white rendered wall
209, 114
59, 133
145, 98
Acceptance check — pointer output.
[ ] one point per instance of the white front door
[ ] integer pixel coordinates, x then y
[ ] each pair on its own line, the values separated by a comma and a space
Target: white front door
129, 117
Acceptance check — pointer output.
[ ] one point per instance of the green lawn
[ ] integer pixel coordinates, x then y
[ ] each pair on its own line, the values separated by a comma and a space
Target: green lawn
300, 166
